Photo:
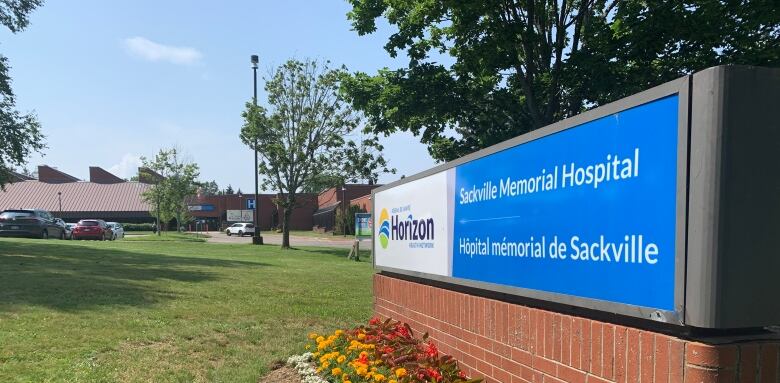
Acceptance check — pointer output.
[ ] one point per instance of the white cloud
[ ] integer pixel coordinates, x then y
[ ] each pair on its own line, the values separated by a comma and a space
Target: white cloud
127, 167
152, 51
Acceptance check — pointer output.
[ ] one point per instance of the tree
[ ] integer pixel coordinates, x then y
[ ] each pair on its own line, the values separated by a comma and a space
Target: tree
523, 64
344, 221
363, 162
301, 138
20, 134
322, 182
229, 190
168, 196
209, 188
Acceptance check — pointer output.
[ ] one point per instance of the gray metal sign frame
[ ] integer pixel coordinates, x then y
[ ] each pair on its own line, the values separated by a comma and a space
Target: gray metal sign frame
680, 87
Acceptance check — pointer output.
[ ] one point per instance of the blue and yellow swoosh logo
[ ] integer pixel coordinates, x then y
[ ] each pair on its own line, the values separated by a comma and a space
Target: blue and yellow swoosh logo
384, 228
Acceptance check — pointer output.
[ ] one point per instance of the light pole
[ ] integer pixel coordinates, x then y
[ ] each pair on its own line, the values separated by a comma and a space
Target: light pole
344, 210
257, 239
241, 203
59, 197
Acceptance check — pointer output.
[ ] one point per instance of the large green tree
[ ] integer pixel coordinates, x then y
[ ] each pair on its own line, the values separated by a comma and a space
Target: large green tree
168, 197
209, 188
303, 137
482, 71
20, 133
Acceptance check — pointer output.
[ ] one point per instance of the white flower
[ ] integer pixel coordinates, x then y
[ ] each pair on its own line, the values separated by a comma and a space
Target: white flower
302, 365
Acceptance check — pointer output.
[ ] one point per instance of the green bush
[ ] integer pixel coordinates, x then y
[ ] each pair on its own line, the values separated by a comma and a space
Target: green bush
346, 221
138, 226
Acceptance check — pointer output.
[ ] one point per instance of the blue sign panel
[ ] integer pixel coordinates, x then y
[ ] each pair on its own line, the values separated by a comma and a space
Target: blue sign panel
589, 211
250, 203
363, 227
202, 207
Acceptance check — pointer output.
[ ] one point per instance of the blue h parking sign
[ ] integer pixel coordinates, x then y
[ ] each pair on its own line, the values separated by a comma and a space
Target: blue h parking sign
250, 203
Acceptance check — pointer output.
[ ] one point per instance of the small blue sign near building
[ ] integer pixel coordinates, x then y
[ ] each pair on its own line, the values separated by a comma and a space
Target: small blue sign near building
201, 207
250, 203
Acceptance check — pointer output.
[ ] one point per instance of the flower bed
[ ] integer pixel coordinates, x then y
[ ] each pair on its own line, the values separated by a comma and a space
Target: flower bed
380, 352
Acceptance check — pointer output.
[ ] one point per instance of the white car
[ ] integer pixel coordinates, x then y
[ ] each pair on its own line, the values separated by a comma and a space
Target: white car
240, 229
119, 231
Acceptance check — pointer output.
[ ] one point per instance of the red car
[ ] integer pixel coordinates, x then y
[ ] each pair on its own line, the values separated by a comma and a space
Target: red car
92, 229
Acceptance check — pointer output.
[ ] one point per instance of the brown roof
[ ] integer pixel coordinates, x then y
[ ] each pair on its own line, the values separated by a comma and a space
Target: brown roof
51, 175
16, 177
148, 176
76, 196
101, 176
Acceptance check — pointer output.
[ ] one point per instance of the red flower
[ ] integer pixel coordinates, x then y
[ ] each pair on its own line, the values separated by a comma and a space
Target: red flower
461, 375
402, 331
434, 374
431, 350
388, 350
374, 321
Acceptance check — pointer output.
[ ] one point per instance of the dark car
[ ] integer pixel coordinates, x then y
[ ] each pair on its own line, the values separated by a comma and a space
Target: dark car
34, 223
92, 229
67, 227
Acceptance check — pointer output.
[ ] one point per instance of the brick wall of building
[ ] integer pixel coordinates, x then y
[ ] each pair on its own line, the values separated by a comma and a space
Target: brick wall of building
363, 202
510, 343
333, 196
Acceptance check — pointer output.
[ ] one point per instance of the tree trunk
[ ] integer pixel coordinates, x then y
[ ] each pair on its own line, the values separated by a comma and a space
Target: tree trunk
159, 228
286, 228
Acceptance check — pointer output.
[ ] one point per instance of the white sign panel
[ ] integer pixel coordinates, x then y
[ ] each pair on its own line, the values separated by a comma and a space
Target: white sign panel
234, 215
240, 216
411, 224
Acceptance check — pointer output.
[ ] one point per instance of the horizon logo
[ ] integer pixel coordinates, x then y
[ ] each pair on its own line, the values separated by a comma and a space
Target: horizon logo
384, 228
394, 227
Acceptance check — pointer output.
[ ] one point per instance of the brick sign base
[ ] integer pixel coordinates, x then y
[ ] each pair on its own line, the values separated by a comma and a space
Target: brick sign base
510, 343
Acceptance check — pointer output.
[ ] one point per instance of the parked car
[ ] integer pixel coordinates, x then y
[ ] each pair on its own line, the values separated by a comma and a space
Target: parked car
117, 229
69, 227
240, 229
93, 229
68, 231
34, 223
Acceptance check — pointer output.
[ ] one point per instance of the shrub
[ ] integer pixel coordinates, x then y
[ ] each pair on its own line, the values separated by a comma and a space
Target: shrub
381, 352
138, 226
346, 221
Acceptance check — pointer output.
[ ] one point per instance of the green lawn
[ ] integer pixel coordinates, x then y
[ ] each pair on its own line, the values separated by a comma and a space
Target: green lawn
168, 237
139, 232
166, 310
309, 233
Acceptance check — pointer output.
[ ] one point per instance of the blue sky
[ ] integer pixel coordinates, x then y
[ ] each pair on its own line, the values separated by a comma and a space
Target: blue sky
113, 81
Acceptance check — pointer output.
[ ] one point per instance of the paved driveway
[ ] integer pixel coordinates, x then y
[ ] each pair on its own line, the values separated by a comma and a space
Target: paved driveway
276, 239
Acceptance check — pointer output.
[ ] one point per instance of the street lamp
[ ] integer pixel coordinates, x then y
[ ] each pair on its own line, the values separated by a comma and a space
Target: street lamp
257, 239
344, 210
59, 197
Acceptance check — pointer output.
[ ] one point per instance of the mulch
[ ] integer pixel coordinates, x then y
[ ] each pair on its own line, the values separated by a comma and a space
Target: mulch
282, 374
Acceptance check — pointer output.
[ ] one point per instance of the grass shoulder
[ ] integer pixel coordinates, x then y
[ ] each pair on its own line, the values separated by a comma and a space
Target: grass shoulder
166, 311
169, 237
